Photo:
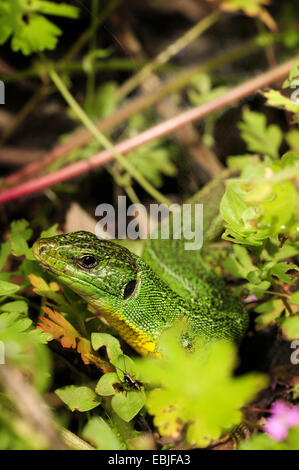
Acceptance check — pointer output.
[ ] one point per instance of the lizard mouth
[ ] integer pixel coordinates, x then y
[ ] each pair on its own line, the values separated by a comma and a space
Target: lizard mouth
45, 266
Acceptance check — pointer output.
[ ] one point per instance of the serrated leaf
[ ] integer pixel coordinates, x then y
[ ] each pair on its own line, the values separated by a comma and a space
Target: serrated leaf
63, 331
59, 328
30, 30
294, 73
19, 235
42, 288
153, 161
78, 398
258, 137
37, 35
277, 100
240, 218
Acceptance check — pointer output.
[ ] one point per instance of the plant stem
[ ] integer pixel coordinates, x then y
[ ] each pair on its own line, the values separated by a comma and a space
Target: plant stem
166, 55
160, 130
90, 85
78, 67
102, 139
134, 106
74, 442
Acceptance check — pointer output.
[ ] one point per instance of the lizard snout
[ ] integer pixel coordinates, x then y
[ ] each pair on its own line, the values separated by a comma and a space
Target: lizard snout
41, 248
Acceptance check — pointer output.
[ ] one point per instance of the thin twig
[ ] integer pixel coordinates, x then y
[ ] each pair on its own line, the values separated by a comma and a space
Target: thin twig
91, 74
160, 130
73, 441
166, 54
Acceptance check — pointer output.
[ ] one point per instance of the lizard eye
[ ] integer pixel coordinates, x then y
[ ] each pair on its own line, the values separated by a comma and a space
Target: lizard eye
129, 289
88, 261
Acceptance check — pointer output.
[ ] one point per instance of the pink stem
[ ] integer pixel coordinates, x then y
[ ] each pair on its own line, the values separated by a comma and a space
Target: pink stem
160, 130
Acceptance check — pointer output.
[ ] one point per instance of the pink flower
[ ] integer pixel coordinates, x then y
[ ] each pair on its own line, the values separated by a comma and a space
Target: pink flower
284, 416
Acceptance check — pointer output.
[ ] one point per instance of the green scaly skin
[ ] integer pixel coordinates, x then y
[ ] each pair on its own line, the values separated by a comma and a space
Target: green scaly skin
135, 298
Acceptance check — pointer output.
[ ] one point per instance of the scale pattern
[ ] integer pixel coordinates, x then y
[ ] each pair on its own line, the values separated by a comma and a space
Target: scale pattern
211, 307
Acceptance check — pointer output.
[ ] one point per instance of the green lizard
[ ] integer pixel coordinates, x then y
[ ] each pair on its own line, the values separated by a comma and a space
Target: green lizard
140, 297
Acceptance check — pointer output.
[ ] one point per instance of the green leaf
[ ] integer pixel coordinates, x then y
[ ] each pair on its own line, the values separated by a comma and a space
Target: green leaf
98, 340
50, 232
288, 250
105, 384
264, 442
277, 100
240, 218
104, 437
292, 138
239, 162
270, 311
78, 398
206, 403
294, 299
56, 9
18, 306
39, 34
263, 202
251, 8
290, 327
105, 100
258, 137
294, 73
239, 263
30, 30
4, 253
125, 365
8, 288
280, 269
154, 160
128, 404
19, 235
280, 207
24, 347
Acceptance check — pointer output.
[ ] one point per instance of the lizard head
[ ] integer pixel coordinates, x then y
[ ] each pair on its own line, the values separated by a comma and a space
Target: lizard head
87, 264
113, 280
